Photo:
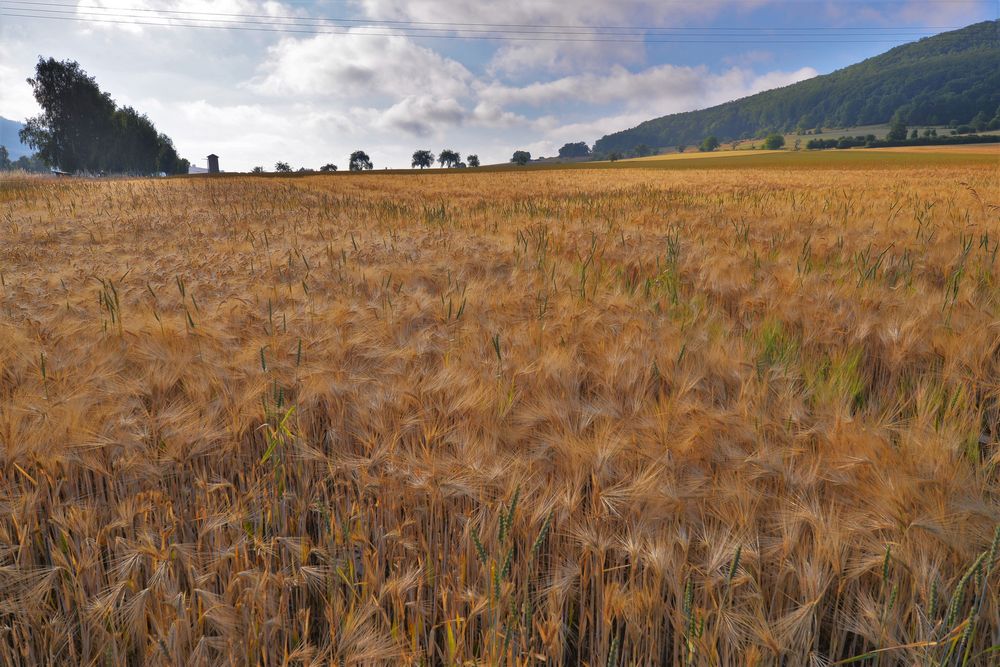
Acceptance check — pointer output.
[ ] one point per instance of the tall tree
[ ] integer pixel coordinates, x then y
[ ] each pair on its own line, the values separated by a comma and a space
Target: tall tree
4, 159
897, 128
360, 161
81, 129
449, 158
135, 144
167, 160
473, 160
422, 159
578, 149
774, 141
521, 158
75, 127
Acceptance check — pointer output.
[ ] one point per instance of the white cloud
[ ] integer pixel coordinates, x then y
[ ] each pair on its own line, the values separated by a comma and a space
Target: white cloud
488, 114
549, 18
134, 16
16, 99
658, 90
422, 115
359, 65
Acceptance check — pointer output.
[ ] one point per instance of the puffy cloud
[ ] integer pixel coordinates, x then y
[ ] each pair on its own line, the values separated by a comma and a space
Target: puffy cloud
658, 90
130, 16
359, 65
555, 18
16, 99
422, 115
487, 114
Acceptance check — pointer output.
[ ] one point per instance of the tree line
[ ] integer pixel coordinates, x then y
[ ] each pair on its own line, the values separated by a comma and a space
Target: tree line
82, 129
360, 161
23, 163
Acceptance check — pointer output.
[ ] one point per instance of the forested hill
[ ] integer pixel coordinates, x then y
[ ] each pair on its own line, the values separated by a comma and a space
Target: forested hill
9, 138
954, 76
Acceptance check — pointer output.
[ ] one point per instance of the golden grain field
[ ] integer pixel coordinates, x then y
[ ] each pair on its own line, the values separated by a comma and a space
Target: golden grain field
618, 417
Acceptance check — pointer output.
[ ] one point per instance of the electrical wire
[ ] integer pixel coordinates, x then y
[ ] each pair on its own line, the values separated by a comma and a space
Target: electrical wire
493, 27
319, 29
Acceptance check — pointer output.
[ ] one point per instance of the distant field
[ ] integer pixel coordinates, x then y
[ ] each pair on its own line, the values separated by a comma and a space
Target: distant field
902, 158
718, 410
992, 150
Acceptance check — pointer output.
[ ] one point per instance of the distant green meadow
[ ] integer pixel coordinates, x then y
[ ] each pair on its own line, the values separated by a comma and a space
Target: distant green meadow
825, 159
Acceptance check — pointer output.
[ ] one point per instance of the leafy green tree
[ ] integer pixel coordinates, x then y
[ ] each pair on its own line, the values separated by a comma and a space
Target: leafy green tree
328, 167
75, 127
134, 146
473, 160
980, 121
81, 129
577, 149
4, 159
773, 142
449, 158
32, 164
282, 168
257, 170
422, 159
521, 158
709, 144
897, 129
360, 161
167, 159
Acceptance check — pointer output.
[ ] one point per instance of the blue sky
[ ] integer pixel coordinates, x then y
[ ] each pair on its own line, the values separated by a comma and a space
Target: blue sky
257, 97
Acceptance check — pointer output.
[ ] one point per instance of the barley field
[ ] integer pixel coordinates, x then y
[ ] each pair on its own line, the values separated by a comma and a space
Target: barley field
568, 417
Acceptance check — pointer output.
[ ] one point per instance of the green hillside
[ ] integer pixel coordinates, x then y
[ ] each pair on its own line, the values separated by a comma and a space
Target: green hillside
954, 76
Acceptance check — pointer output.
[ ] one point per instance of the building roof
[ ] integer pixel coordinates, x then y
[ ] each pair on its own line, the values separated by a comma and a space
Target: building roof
213, 155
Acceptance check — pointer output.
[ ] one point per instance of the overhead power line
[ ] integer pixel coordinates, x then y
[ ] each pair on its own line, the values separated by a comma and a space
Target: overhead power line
443, 25
360, 32
463, 31
421, 30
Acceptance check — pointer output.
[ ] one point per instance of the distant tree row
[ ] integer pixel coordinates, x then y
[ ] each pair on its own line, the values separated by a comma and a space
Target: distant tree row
359, 161
82, 129
900, 135
580, 149
447, 159
23, 163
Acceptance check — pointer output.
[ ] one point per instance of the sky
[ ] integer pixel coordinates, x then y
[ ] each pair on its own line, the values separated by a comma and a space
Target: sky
485, 77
